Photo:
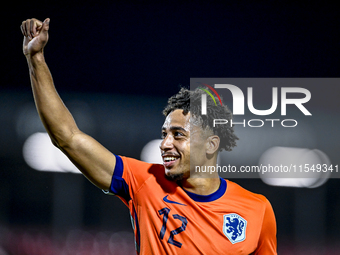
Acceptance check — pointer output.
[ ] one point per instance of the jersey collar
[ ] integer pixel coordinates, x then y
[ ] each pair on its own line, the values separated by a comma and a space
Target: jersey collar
212, 197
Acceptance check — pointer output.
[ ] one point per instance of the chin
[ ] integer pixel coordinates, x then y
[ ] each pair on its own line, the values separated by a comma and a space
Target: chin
173, 176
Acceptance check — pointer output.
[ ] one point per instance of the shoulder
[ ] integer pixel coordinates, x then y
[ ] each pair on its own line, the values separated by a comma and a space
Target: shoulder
255, 204
249, 201
235, 189
131, 174
137, 169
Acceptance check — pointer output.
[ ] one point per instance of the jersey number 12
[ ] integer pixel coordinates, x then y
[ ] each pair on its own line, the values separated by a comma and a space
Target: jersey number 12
165, 212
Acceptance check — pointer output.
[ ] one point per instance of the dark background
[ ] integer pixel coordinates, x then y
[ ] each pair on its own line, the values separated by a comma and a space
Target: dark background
143, 51
147, 47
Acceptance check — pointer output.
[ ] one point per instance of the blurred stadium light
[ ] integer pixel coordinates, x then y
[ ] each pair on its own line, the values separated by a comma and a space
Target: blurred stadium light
294, 167
151, 152
40, 154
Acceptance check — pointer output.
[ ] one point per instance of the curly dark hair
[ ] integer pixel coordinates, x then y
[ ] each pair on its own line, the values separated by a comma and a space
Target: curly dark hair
190, 101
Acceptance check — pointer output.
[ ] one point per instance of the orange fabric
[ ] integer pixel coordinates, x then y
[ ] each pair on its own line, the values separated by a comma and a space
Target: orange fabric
167, 220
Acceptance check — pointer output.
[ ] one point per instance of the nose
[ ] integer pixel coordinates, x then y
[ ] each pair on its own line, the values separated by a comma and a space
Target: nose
167, 143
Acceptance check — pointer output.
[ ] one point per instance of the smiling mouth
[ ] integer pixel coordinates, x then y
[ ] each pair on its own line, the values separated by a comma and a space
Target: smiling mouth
169, 161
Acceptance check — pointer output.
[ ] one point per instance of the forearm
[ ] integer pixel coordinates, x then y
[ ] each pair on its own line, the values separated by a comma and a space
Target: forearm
56, 118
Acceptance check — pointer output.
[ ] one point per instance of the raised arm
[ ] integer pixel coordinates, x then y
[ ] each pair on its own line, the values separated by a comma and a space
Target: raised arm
91, 158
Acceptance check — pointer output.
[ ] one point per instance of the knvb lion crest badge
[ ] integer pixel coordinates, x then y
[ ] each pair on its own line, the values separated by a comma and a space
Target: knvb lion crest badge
234, 227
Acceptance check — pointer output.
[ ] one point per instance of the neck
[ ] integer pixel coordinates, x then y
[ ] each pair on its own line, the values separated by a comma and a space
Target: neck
201, 185
203, 181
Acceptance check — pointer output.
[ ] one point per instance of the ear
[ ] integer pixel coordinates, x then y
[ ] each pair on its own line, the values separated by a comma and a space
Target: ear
212, 144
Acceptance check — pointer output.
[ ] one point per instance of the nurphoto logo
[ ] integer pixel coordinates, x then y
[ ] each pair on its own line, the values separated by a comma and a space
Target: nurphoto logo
238, 103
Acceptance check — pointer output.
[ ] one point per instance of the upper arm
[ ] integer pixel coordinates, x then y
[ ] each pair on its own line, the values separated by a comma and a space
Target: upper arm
91, 158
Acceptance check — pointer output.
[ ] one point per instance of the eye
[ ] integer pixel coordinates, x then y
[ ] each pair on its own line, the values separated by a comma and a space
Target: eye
176, 134
163, 135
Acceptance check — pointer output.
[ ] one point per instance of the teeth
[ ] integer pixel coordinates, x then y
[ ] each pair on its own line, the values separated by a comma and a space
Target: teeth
167, 159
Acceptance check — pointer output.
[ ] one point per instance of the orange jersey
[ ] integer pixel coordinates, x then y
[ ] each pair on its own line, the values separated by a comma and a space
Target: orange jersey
169, 220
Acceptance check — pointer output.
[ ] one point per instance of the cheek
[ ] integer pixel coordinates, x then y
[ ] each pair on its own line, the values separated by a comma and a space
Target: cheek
185, 148
197, 154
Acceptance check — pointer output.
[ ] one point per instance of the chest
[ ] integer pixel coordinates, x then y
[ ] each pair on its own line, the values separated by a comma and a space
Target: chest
178, 222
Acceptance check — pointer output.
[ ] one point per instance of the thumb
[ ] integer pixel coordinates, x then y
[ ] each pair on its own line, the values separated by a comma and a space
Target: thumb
45, 26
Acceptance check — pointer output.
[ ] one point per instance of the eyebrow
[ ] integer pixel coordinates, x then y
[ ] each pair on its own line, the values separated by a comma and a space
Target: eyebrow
172, 128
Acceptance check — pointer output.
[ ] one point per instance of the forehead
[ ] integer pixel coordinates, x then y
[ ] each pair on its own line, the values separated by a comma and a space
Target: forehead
178, 119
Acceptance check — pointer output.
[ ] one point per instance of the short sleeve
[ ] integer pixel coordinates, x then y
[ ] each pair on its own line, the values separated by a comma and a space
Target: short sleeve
128, 176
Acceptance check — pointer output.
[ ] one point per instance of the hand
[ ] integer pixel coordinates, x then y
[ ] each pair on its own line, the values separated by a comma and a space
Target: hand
35, 36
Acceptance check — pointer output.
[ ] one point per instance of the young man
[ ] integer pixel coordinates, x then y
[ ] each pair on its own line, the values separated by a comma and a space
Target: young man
175, 209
